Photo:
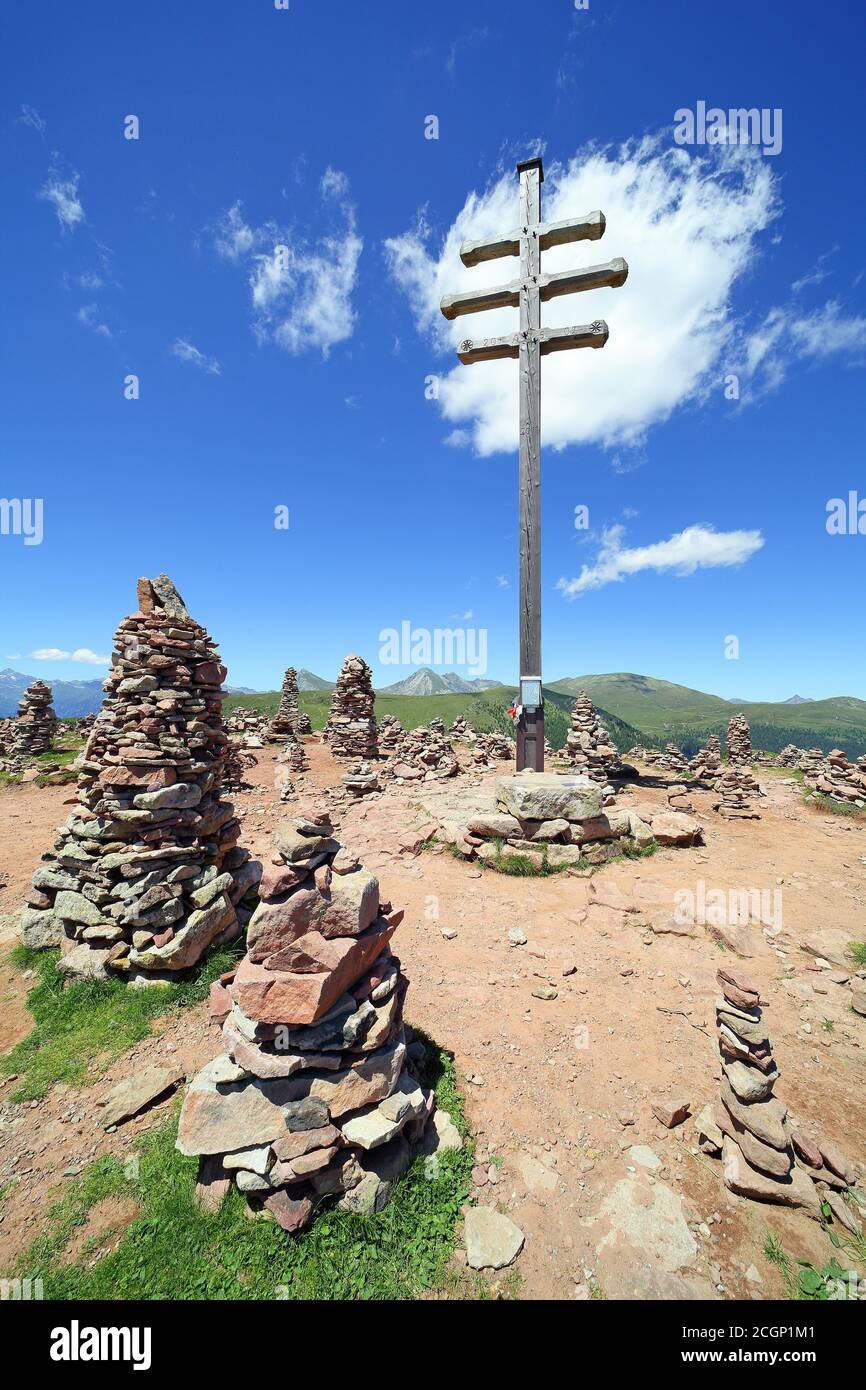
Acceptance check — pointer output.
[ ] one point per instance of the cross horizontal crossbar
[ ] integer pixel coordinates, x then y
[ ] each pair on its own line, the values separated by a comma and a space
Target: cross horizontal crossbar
611, 273
587, 228
591, 335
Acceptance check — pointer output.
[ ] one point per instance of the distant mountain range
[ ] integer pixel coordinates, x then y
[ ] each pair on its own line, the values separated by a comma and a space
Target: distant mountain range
428, 682
71, 699
664, 710
308, 681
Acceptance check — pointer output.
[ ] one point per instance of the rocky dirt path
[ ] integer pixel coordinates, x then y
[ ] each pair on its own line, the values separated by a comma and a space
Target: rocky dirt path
558, 1088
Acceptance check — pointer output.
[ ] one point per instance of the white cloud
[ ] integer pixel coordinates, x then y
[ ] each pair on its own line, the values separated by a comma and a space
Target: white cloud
187, 352
30, 116
503, 581
88, 315
686, 223
816, 274
301, 291
62, 193
697, 547
788, 334
82, 654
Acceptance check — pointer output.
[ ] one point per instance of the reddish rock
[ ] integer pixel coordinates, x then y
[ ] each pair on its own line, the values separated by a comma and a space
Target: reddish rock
671, 1111
287, 997
292, 1213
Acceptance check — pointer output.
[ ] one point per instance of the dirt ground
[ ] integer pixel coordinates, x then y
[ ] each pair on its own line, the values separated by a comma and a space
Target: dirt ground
558, 1090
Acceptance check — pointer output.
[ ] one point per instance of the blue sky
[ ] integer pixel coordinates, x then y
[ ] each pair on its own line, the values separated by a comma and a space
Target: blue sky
301, 382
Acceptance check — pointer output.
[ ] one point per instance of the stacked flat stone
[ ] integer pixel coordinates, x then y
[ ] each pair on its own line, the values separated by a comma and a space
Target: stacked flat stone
707, 762
84, 726
438, 726
837, 777
36, 724
361, 780
423, 753
351, 727
461, 729
238, 761
588, 745
390, 733
492, 748
736, 788
758, 1145
791, 756
313, 1095
146, 873
249, 725
293, 753
284, 725
739, 740
304, 725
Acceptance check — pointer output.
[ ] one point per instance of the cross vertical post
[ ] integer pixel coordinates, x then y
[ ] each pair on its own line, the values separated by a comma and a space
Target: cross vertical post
528, 346
530, 725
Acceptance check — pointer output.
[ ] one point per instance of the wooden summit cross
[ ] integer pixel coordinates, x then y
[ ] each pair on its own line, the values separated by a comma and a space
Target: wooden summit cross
529, 345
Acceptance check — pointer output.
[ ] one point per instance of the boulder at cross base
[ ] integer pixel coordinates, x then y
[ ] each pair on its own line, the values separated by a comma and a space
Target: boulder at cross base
549, 796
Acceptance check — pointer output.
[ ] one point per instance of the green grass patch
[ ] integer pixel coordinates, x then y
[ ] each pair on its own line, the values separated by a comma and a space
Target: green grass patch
857, 952
805, 1282
172, 1250
80, 1028
835, 808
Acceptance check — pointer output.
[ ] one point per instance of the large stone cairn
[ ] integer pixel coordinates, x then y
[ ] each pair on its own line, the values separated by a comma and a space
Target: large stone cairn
284, 725
837, 777
146, 873
736, 783
390, 733
36, 724
765, 1158
351, 727
588, 745
314, 1095
739, 740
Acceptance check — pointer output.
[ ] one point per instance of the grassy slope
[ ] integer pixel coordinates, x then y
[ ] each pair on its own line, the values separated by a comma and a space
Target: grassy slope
662, 709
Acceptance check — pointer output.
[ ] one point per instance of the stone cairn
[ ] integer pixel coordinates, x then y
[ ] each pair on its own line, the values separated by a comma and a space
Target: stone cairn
239, 760
792, 756
351, 727
422, 753
248, 726
765, 1158
304, 725
739, 740
736, 783
36, 724
706, 765
361, 780
492, 748
390, 733
146, 873
461, 729
284, 725
588, 745
835, 776
314, 1094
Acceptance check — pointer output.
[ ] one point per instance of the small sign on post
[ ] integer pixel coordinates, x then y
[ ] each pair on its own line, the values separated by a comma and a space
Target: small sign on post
532, 342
